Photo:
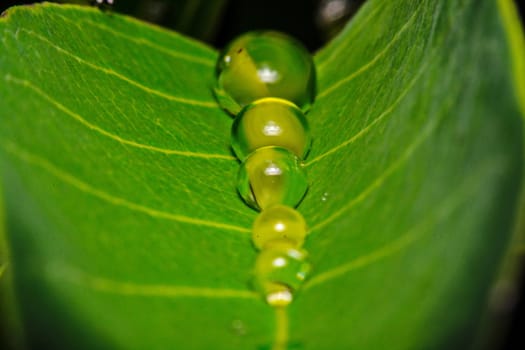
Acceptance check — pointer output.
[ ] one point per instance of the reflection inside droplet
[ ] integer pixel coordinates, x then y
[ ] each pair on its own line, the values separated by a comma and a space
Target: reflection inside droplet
280, 298
279, 262
280, 227
272, 129
272, 170
268, 75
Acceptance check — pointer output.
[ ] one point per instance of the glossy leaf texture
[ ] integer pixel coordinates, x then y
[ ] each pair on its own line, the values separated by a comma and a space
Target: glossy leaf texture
123, 223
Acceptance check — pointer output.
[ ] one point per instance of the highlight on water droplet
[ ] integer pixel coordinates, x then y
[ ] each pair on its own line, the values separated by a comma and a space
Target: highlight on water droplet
281, 296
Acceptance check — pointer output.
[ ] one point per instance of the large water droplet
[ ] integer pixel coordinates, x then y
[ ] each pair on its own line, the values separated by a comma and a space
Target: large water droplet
266, 64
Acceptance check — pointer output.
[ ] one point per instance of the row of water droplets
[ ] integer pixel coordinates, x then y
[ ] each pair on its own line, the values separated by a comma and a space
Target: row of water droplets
267, 81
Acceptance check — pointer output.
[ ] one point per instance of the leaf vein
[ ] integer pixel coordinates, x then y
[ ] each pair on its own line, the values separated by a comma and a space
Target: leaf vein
281, 329
144, 42
356, 31
374, 60
105, 285
80, 119
390, 170
3, 268
44, 164
366, 129
470, 186
91, 10
183, 100
379, 180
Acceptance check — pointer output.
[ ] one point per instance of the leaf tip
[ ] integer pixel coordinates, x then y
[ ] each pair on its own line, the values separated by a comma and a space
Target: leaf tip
9, 12
4, 14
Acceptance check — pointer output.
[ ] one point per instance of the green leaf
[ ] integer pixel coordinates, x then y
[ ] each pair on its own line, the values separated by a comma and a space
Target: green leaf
123, 223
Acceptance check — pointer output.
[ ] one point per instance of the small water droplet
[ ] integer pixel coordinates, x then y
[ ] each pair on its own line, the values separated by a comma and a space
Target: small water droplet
238, 327
324, 197
277, 224
280, 270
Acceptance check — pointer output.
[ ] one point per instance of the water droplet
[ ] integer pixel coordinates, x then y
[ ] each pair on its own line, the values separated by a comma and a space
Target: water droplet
279, 223
271, 176
270, 122
280, 270
257, 65
324, 197
238, 327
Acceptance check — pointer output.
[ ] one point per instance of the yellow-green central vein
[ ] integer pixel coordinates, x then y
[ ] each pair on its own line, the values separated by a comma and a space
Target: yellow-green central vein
281, 329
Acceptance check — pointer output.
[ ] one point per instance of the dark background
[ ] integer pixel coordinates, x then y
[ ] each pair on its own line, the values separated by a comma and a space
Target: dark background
225, 19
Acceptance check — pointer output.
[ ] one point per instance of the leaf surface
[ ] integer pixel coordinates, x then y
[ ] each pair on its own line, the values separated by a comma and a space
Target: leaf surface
124, 227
